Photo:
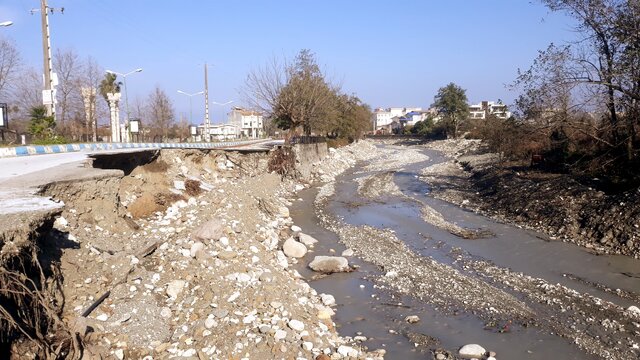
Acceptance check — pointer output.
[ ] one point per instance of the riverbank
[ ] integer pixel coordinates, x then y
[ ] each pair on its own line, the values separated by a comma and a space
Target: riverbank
182, 257
555, 204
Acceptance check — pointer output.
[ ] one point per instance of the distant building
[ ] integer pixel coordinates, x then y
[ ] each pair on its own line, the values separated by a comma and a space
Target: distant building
480, 110
223, 131
383, 118
248, 123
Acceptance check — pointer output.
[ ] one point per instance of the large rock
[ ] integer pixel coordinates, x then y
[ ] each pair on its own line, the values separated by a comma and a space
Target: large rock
330, 264
308, 240
211, 230
472, 351
294, 249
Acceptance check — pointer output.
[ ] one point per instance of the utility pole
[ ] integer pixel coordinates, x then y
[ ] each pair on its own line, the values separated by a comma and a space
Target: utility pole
206, 103
48, 93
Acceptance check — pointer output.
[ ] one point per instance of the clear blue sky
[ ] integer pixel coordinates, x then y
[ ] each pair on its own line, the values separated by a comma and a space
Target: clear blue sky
389, 53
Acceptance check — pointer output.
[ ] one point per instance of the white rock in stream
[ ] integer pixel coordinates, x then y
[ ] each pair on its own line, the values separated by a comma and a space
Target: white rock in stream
329, 264
294, 249
327, 299
472, 351
308, 240
412, 319
347, 253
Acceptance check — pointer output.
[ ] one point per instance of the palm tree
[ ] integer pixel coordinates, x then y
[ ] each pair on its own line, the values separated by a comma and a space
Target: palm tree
109, 85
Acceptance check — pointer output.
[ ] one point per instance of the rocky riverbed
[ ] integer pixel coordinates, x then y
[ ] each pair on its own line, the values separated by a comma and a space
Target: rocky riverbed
192, 256
505, 300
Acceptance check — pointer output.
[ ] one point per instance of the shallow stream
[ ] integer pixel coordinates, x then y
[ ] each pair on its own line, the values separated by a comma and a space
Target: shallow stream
380, 316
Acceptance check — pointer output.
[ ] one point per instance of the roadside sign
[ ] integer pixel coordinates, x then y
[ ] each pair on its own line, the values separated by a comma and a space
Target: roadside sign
134, 126
4, 117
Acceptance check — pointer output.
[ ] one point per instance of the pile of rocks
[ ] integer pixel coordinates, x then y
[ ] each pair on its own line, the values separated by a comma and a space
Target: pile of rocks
209, 277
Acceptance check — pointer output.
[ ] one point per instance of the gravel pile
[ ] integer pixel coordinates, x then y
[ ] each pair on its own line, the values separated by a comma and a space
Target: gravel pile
204, 278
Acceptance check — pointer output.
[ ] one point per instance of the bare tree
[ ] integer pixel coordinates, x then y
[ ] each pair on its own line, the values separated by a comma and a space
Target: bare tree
607, 58
294, 95
161, 113
68, 67
10, 62
27, 93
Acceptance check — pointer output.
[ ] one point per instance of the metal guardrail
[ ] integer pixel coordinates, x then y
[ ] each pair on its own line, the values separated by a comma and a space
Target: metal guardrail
56, 149
306, 140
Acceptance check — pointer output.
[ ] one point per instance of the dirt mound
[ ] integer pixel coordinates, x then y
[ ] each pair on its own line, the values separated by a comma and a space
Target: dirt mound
564, 208
556, 204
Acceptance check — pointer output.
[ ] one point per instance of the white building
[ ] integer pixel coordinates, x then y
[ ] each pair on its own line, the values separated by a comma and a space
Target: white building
480, 110
248, 123
383, 117
223, 131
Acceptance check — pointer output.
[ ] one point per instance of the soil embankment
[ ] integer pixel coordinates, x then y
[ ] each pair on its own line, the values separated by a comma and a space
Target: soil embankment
181, 257
555, 204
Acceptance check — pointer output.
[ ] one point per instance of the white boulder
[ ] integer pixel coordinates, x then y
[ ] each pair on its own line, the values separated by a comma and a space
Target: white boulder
308, 240
472, 351
294, 249
330, 264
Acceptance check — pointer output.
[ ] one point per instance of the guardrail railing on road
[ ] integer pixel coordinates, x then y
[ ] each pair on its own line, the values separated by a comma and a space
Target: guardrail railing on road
56, 149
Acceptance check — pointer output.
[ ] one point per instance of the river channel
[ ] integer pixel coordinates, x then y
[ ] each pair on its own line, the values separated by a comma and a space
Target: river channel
365, 309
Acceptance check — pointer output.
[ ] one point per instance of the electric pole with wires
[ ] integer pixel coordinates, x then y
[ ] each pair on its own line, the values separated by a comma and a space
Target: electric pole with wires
48, 94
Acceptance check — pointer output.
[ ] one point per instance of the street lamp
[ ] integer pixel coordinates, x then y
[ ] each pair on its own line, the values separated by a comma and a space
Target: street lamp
6, 23
222, 104
126, 97
191, 103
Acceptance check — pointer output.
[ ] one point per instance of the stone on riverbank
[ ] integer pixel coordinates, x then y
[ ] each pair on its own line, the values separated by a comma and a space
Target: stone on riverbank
294, 249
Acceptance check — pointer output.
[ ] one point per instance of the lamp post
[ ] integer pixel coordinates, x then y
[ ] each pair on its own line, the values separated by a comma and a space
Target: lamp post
126, 97
190, 102
6, 23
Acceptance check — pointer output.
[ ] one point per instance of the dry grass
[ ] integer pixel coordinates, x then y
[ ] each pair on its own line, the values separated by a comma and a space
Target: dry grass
192, 187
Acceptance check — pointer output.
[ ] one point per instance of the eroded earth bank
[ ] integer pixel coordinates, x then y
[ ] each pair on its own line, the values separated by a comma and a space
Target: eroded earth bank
217, 255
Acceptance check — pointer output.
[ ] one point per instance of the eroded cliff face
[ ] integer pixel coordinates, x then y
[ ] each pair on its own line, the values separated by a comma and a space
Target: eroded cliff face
181, 256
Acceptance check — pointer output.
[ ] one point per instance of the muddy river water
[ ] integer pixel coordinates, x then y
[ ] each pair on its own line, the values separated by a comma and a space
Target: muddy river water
363, 308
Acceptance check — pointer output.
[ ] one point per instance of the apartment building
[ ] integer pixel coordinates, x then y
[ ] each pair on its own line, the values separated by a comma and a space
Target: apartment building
248, 123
